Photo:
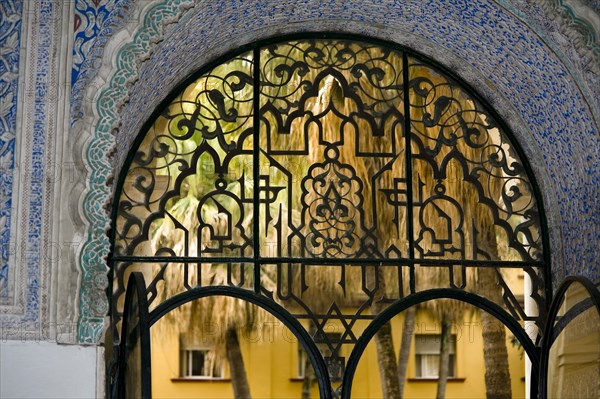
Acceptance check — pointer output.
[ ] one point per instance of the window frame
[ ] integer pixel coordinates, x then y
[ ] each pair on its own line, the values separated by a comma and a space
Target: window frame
323, 349
452, 372
186, 367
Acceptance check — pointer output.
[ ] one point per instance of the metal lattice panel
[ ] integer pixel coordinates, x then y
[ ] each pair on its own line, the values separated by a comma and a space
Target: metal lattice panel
332, 177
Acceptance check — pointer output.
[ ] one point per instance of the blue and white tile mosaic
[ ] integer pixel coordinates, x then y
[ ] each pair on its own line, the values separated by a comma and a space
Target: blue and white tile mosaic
95, 23
495, 42
48, 10
498, 46
556, 22
10, 39
25, 324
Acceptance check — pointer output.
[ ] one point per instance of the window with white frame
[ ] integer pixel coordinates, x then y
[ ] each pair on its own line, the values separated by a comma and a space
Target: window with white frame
200, 363
427, 355
326, 352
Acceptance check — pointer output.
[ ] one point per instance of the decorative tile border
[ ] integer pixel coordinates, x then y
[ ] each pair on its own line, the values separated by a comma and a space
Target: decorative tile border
28, 317
95, 23
10, 41
508, 64
93, 306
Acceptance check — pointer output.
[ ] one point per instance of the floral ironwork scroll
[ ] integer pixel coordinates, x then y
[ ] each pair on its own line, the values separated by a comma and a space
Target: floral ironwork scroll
327, 175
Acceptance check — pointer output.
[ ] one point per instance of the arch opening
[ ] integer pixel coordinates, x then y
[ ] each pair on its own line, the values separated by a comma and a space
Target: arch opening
219, 329
439, 321
333, 177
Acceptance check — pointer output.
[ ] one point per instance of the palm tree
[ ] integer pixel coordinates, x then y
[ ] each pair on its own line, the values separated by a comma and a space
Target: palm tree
408, 330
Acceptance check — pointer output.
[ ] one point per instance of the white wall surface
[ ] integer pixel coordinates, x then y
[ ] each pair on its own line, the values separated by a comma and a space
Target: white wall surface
47, 370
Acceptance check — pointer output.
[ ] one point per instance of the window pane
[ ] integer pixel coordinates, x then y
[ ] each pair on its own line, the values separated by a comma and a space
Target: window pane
430, 343
430, 365
198, 363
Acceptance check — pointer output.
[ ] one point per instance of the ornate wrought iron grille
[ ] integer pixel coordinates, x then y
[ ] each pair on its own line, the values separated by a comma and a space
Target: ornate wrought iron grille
332, 177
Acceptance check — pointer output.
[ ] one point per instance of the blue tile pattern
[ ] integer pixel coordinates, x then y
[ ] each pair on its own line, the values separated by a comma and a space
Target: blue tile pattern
501, 48
573, 39
95, 23
47, 10
26, 324
10, 40
523, 69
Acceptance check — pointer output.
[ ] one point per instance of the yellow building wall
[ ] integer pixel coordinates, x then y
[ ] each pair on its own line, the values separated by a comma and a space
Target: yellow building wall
271, 358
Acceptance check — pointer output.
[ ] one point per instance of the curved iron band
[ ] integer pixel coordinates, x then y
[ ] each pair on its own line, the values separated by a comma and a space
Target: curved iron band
424, 296
575, 310
136, 286
548, 337
265, 303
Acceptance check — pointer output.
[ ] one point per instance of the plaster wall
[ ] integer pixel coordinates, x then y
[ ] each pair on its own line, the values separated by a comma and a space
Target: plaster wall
30, 369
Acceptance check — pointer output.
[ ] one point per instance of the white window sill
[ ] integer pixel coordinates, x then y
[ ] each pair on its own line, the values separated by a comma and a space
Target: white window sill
435, 379
200, 379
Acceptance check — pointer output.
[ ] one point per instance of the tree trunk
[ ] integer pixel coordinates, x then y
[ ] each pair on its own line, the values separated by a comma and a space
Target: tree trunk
239, 379
309, 379
386, 356
444, 365
497, 376
404, 352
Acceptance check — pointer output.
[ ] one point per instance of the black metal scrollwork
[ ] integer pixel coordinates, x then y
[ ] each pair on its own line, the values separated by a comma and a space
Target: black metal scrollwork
473, 176
374, 171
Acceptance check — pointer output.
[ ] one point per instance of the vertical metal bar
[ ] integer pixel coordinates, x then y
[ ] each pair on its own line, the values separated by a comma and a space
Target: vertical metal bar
256, 168
112, 368
409, 177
